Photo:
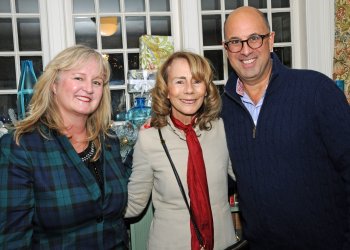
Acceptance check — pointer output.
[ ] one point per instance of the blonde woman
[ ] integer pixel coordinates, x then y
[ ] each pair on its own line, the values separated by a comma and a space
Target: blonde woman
63, 183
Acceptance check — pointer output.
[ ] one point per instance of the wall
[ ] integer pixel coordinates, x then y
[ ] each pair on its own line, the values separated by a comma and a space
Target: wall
341, 68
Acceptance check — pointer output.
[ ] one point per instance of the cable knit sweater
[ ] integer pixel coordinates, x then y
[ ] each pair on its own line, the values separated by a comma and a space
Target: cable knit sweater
293, 167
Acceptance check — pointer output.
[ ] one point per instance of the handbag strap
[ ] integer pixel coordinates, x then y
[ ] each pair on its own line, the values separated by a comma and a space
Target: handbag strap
196, 229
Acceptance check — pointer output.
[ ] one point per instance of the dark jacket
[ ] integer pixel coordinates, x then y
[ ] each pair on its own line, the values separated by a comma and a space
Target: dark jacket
50, 199
293, 167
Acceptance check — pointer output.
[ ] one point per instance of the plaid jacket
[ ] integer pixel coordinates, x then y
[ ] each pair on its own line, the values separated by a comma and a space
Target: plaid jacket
49, 199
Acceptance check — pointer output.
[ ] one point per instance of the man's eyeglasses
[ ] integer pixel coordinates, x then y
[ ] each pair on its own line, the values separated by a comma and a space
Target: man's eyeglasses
254, 41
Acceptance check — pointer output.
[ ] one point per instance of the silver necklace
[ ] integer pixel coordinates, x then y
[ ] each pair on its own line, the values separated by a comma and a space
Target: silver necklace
179, 135
176, 133
90, 154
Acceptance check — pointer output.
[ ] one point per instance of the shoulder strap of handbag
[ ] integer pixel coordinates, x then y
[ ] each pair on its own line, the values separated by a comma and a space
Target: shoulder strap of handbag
198, 234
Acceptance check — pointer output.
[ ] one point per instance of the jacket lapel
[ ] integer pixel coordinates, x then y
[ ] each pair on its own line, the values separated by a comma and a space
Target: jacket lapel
88, 179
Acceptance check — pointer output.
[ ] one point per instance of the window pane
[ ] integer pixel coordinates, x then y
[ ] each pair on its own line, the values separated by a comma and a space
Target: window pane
118, 105
117, 67
114, 41
83, 6
211, 30
211, 5
221, 88
281, 26
7, 73
27, 6
215, 57
135, 5
109, 6
135, 27
6, 36
85, 31
37, 64
133, 61
160, 25
159, 5
230, 5
5, 6
257, 3
284, 54
7, 102
29, 38
280, 3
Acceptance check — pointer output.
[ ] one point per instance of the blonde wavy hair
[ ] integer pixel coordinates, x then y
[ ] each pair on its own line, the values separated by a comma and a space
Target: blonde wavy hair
202, 70
43, 109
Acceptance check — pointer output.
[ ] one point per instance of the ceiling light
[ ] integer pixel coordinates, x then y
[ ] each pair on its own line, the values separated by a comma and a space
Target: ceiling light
108, 25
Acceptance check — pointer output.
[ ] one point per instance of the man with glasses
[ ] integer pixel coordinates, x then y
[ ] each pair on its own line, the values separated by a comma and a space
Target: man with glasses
288, 134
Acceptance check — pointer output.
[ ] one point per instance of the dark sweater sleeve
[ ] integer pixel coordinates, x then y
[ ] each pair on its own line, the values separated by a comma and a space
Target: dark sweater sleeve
334, 126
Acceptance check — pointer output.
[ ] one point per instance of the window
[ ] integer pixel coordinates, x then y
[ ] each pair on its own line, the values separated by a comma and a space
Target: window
213, 16
39, 29
20, 23
113, 28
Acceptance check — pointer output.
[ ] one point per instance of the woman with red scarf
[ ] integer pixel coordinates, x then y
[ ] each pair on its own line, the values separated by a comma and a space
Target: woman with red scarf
186, 106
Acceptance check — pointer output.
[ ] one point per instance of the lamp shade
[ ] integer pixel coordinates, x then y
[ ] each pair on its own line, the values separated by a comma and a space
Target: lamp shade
108, 25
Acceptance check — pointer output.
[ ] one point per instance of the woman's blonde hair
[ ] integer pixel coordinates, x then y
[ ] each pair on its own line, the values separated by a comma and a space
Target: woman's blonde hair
202, 70
43, 108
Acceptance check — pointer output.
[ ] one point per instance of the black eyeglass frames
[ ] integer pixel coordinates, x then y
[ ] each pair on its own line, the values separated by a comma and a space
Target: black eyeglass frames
255, 41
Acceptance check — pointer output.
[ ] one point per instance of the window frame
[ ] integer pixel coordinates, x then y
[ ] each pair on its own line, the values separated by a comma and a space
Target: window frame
174, 10
312, 24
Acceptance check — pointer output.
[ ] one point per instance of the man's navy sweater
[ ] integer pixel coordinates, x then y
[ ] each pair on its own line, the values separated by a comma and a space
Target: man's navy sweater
293, 167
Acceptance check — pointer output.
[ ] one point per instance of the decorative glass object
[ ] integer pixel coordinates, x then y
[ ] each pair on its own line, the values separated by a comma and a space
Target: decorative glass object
25, 87
139, 113
7, 122
127, 134
340, 84
3, 129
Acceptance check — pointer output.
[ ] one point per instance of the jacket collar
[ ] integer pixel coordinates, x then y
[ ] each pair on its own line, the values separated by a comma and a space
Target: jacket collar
179, 132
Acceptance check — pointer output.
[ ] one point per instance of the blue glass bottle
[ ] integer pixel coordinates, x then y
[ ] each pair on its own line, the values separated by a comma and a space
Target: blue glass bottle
340, 84
25, 87
139, 113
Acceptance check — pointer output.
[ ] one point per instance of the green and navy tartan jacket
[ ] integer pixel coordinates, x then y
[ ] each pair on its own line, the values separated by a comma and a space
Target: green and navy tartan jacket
49, 199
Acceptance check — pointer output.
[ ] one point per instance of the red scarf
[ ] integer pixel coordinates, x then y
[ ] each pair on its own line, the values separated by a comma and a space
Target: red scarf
198, 188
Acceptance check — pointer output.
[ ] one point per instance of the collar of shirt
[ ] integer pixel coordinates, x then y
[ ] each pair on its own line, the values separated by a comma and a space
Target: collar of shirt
240, 88
253, 109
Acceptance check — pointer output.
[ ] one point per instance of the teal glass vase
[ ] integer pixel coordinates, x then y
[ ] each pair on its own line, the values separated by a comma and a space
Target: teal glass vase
139, 114
25, 87
340, 84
